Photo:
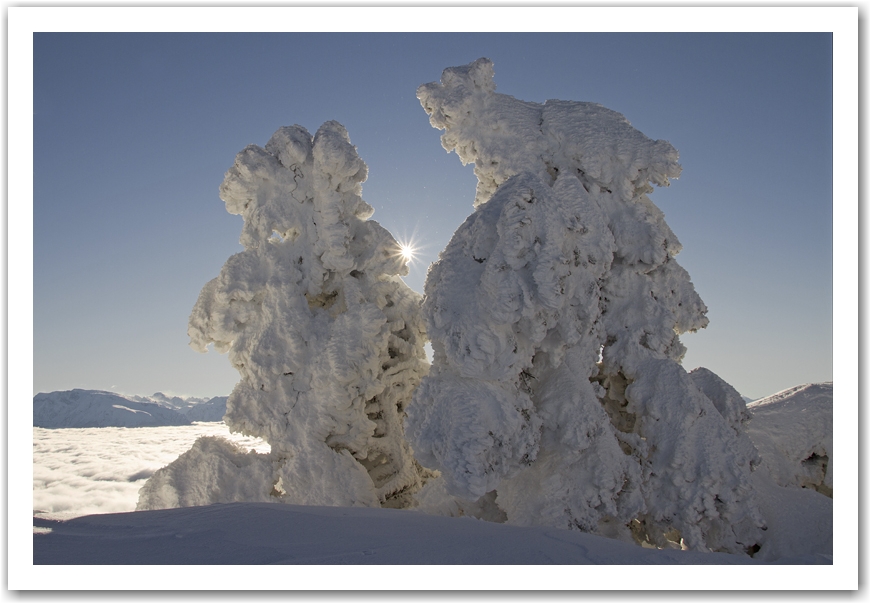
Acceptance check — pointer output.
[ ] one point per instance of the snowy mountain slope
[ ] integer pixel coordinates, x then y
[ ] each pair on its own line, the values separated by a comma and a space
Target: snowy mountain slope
208, 411
793, 431
202, 409
180, 403
95, 408
92, 408
264, 533
174, 402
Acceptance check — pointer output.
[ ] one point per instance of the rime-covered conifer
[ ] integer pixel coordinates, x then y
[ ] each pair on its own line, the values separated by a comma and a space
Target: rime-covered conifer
554, 313
327, 338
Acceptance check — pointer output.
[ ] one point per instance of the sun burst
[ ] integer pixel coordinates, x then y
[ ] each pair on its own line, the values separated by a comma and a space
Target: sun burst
408, 249
407, 252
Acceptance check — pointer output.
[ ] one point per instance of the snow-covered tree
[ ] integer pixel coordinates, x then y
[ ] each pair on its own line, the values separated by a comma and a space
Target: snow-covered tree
554, 313
327, 338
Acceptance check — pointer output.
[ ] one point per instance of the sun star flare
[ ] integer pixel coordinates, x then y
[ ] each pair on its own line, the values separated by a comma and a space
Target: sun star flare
407, 251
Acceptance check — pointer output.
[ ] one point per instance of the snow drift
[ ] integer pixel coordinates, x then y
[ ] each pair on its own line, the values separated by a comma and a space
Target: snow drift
327, 338
253, 534
554, 314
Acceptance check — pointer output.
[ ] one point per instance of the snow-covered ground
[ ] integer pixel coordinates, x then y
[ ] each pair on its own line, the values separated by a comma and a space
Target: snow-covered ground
264, 533
204, 539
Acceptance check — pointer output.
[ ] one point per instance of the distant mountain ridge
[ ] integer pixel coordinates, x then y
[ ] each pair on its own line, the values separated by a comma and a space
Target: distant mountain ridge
79, 408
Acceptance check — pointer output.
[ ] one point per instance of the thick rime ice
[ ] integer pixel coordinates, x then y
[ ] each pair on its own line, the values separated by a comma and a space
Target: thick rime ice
554, 315
326, 336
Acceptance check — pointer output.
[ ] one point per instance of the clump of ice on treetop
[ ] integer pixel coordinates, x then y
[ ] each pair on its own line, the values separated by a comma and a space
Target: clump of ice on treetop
565, 261
327, 338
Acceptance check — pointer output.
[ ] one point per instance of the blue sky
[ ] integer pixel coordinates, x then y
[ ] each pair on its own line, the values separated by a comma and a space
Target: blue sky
132, 135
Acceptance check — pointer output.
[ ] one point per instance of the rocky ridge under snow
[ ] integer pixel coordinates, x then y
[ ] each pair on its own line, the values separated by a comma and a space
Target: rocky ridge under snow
80, 408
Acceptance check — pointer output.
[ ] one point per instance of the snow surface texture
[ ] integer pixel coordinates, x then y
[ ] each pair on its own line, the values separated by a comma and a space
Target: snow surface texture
326, 336
554, 313
80, 408
247, 534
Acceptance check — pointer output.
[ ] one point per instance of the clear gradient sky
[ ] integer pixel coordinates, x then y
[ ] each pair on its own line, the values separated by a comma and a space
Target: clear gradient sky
133, 133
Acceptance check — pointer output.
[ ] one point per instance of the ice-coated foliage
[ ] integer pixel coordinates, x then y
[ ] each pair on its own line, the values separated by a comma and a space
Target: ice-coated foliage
327, 338
554, 315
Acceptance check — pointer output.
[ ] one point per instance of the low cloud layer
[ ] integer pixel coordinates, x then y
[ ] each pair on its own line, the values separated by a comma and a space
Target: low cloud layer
100, 470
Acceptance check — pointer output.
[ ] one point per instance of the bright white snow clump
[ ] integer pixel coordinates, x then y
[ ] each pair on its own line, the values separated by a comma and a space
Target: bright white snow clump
326, 336
556, 391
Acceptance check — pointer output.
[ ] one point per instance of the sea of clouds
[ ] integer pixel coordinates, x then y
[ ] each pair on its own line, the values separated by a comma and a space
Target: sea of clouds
100, 470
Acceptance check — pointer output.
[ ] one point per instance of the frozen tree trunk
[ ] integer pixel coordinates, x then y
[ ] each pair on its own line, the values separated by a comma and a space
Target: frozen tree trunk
554, 314
327, 338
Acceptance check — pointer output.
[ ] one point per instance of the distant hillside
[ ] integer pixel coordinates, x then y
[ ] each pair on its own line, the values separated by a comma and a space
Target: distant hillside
195, 409
209, 410
180, 403
94, 408
793, 431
